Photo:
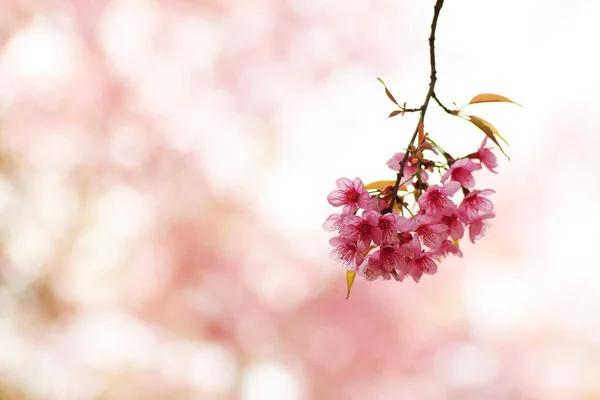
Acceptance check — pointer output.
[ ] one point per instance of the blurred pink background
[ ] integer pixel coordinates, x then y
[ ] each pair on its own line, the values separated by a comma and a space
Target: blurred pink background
164, 167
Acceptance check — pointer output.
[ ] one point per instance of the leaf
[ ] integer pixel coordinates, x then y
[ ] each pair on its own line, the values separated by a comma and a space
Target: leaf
489, 130
350, 275
491, 98
489, 126
421, 131
394, 113
379, 185
426, 146
388, 93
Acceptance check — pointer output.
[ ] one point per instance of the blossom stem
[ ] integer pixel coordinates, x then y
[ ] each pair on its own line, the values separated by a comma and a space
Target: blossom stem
409, 211
447, 156
406, 181
430, 93
441, 105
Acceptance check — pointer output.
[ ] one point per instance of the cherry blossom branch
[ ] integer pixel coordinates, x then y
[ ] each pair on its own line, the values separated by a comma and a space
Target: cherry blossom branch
382, 243
443, 107
430, 93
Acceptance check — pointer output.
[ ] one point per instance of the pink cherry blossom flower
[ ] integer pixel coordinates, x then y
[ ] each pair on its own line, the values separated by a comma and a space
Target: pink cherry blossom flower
431, 230
384, 263
388, 226
363, 229
348, 252
388, 257
349, 194
404, 224
409, 169
419, 262
376, 204
334, 222
456, 229
405, 237
435, 200
367, 270
478, 226
447, 247
475, 204
486, 156
371, 270
462, 172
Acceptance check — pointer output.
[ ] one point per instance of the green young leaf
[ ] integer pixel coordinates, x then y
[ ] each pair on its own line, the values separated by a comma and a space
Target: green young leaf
389, 94
350, 275
491, 98
489, 130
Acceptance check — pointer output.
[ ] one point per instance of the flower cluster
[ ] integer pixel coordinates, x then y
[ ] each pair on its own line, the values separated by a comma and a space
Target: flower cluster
376, 241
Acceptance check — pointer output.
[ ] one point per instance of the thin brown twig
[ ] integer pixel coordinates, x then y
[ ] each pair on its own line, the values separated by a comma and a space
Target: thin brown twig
430, 93
443, 106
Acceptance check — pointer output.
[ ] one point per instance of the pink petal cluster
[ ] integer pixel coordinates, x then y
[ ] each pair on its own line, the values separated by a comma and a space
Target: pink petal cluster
390, 245
350, 194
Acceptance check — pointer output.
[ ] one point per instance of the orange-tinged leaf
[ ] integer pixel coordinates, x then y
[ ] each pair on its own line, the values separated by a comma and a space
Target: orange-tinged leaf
389, 94
421, 131
489, 130
491, 98
394, 113
379, 185
350, 275
490, 126
426, 146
